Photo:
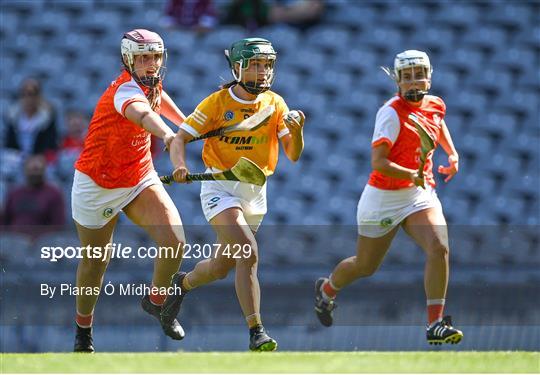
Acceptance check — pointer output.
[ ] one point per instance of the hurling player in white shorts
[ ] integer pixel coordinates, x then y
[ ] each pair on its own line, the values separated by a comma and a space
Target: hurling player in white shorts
235, 209
396, 195
115, 173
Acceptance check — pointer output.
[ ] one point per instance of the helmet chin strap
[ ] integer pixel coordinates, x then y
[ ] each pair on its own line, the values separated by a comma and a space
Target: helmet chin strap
148, 81
415, 95
252, 88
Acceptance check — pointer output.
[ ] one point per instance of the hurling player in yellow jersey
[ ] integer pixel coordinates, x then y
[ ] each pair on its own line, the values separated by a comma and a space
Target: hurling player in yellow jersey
236, 209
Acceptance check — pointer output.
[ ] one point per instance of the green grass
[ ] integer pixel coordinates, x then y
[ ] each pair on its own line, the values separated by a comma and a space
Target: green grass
291, 362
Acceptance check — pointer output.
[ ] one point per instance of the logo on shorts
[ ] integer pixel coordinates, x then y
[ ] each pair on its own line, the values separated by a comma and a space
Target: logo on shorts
386, 222
213, 202
107, 212
229, 115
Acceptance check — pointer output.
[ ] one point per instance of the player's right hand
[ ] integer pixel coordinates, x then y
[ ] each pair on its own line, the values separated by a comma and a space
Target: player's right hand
180, 175
168, 140
417, 180
294, 120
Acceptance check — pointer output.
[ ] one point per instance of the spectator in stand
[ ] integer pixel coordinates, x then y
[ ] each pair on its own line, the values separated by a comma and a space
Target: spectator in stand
76, 127
250, 14
253, 14
196, 15
36, 202
31, 123
298, 13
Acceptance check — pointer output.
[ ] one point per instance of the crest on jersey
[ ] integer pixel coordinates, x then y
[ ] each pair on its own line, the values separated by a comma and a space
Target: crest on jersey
228, 115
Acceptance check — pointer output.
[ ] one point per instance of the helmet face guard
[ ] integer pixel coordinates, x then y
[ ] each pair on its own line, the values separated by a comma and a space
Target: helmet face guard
151, 81
255, 83
241, 57
408, 62
414, 94
143, 42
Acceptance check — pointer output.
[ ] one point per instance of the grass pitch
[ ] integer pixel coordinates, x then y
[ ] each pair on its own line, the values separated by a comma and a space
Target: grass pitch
289, 362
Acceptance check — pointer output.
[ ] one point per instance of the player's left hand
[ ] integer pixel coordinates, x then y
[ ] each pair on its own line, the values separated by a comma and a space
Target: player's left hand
180, 175
452, 168
294, 121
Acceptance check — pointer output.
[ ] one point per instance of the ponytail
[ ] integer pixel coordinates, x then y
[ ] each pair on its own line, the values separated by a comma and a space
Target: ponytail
227, 85
154, 98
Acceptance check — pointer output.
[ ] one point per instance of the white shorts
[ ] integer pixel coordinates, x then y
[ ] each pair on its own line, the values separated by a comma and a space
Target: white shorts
217, 196
379, 211
93, 206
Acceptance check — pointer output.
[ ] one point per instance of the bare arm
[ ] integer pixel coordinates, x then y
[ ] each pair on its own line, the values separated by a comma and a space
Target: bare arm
453, 158
446, 140
178, 155
141, 114
293, 143
380, 163
170, 110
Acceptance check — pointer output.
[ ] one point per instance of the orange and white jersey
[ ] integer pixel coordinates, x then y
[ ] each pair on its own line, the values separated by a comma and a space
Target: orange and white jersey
116, 152
392, 127
223, 108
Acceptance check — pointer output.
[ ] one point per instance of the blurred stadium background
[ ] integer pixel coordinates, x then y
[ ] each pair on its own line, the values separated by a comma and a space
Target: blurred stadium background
486, 67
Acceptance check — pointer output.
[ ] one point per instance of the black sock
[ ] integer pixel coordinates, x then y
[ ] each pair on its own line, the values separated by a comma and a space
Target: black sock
83, 329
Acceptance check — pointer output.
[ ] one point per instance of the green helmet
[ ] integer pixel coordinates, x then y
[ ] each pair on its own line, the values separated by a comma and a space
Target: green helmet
241, 52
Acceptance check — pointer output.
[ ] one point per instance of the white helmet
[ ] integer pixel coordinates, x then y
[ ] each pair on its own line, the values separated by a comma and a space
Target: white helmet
139, 42
411, 59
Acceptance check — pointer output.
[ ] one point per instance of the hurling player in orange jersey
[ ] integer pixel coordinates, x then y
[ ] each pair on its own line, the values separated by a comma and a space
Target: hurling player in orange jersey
396, 195
236, 209
115, 173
